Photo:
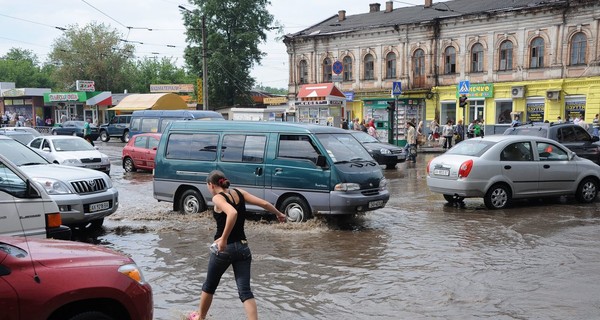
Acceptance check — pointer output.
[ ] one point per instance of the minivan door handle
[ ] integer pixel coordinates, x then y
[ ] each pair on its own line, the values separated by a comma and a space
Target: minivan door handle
258, 172
278, 170
507, 167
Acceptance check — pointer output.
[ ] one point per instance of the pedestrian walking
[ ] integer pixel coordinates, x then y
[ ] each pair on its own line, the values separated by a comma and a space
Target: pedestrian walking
230, 245
595, 126
411, 142
87, 131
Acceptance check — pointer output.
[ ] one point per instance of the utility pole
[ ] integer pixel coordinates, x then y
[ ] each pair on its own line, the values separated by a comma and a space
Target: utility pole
204, 71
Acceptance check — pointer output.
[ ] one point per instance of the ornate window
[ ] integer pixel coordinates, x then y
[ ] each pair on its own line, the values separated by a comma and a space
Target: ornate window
578, 48
477, 58
506, 56
537, 53
327, 70
450, 60
369, 67
303, 72
390, 66
419, 63
347, 63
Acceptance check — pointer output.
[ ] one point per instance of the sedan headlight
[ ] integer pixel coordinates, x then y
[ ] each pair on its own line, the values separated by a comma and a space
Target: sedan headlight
53, 186
133, 272
383, 184
347, 187
71, 162
385, 151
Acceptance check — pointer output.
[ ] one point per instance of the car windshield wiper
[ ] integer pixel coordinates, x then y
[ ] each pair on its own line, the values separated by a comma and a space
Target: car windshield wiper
31, 163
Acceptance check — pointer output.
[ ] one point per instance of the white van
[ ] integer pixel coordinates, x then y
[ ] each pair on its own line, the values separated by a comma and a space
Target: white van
25, 207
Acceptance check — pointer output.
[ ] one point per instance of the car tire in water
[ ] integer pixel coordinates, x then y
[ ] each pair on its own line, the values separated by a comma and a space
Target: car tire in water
104, 136
497, 197
91, 315
295, 209
587, 190
54, 133
125, 137
128, 165
191, 202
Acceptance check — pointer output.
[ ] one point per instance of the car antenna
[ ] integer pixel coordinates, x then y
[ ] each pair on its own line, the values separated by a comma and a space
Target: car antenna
36, 277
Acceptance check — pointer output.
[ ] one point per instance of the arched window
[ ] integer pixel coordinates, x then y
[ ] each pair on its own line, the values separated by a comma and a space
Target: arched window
450, 60
303, 72
390, 66
347, 63
578, 49
327, 70
419, 63
506, 56
537, 53
477, 58
369, 67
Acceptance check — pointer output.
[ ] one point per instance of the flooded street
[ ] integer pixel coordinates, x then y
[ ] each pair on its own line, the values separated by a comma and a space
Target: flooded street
418, 258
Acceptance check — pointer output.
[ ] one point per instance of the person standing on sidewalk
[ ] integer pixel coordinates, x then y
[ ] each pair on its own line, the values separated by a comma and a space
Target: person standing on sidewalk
448, 133
411, 142
595, 126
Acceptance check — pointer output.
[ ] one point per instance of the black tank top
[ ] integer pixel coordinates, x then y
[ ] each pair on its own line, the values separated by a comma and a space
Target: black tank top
237, 233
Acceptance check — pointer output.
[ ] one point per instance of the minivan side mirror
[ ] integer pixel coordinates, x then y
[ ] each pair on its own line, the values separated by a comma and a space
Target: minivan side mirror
31, 192
321, 161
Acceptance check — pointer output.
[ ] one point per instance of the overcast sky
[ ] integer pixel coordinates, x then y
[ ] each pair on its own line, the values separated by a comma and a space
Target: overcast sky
30, 24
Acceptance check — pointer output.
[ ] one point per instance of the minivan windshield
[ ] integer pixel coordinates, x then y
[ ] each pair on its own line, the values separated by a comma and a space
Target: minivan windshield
19, 154
343, 147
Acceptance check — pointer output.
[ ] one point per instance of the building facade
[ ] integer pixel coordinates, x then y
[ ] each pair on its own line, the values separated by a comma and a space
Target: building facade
533, 58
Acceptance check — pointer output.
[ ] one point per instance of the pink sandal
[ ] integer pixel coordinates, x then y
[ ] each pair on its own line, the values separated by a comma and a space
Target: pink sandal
193, 316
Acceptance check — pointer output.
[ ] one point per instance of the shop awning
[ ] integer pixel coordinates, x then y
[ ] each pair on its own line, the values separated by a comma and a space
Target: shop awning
155, 101
103, 98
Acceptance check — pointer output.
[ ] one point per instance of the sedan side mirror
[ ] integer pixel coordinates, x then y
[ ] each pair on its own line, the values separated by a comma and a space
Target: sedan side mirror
572, 155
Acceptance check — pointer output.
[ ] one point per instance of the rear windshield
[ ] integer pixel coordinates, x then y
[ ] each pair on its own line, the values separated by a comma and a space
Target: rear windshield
471, 147
533, 131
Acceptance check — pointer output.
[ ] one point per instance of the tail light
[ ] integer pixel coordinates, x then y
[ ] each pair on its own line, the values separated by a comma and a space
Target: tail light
465, 169
53, 220
428, 164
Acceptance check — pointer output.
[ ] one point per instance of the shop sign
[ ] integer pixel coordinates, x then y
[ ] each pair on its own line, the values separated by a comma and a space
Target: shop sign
318, 102
275, 100
535, 112
349, 96
479, 90
575, 109
55, 97
172, 88
14, 93
85, 85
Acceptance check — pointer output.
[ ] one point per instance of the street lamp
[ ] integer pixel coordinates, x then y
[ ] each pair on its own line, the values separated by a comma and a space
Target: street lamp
204, 71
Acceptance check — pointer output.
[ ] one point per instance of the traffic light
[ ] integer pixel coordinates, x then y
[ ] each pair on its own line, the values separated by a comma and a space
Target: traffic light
391, 105
462, 101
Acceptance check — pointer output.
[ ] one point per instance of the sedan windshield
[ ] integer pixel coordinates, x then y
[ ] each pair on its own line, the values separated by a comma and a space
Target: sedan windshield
72, 145
343, 147
364, 137
471, 147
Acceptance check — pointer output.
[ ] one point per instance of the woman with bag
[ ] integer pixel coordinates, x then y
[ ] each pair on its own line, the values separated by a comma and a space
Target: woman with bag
230, 246
411, 142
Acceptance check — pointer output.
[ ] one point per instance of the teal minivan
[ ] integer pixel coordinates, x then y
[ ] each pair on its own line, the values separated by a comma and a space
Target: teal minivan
303, 170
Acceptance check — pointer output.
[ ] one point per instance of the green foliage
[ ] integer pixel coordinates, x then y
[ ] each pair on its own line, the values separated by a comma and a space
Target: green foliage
271, 90
234, 30
142, 73
23, 68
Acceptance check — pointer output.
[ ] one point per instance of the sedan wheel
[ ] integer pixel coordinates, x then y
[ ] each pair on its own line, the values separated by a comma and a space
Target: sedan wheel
587, 190
74, 133
104, 136
497, 197
54, 133
128, 165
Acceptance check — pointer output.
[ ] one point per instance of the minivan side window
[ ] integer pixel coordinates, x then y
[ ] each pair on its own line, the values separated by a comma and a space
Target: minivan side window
192, 146
135, 124
165, 122
150, 125
297, 147
243, 148
11, 183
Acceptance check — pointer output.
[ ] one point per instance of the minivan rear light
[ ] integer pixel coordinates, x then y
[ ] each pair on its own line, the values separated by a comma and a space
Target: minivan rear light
53, 220
465, 169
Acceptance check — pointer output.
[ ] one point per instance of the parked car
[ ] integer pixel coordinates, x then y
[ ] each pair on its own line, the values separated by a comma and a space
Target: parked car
31, 130
384, 153
21, 136
25, 207
70, 151
55, 279
83, 196
500, 168
139, 152
74, 128
572, 136
117, 127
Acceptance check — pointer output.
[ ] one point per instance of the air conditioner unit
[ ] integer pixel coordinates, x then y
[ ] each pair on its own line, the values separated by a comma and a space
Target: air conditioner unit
552, 95
518, 92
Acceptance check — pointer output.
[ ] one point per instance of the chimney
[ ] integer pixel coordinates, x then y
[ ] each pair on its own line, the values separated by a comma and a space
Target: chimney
428, 3
374, 7
389, 6
341, 15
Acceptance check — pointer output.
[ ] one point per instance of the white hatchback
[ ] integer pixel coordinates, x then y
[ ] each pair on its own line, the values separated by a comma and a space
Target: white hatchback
500, 168
70, 151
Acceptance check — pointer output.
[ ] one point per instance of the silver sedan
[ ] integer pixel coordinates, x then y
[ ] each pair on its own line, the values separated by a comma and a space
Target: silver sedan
501, 168
70, 151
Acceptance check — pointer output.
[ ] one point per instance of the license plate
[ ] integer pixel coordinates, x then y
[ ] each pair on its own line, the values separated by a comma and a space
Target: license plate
441, 172
400, 157
375, 204
99, 206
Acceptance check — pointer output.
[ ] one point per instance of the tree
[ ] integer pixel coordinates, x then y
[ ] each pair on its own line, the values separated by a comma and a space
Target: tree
94, 52
142, 73
23, 68
234, 30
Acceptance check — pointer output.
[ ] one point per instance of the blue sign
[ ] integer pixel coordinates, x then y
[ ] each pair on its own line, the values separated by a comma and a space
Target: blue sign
397, 88
463, 87
337, 67
349, 95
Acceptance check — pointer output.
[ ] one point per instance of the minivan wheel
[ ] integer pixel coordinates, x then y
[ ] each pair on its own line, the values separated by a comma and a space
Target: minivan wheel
128, 165
104, 136
125, 137
497, 197
91, 315
295, 209
587, 190
191, 202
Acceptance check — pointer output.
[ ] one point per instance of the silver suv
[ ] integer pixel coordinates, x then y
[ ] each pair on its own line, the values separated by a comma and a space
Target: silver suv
84, 196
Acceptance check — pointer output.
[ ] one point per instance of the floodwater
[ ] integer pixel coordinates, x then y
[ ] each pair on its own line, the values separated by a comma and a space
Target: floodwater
417, 258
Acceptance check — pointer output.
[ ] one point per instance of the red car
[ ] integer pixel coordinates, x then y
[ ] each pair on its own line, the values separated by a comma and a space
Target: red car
55, 279
140, 151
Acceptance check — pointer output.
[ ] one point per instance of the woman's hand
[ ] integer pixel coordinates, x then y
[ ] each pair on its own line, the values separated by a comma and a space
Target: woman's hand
281, 217
221, 244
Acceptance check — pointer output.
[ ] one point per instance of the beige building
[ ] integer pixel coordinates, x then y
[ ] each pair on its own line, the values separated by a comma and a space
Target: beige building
535, 58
